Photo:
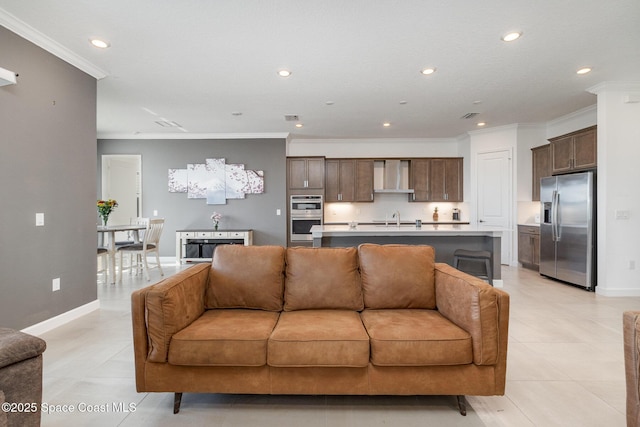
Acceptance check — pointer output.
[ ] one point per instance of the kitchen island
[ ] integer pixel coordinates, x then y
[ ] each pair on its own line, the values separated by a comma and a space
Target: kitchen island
445, 239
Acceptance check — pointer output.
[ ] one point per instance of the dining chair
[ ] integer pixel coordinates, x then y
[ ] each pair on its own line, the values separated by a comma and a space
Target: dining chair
150, 243
133, 238
103, 260
130, 235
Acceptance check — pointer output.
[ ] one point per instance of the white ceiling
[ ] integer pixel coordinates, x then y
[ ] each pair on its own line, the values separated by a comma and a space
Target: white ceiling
196, 62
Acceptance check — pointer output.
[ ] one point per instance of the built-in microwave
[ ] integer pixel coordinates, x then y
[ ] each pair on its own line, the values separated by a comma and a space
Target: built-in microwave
305, 212
306, 205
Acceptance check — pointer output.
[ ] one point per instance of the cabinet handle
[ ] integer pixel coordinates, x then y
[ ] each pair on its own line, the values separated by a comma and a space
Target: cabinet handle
371, 196
414, 197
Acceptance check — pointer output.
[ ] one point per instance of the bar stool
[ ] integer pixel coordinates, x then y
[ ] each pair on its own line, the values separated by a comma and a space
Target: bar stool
483, 257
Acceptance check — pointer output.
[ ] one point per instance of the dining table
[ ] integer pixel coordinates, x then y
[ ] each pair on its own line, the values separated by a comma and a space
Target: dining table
111, 231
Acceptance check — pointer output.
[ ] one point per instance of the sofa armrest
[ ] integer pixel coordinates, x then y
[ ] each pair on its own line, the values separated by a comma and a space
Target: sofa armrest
3, 414
478, 308
630, 329
161, 310
16, 346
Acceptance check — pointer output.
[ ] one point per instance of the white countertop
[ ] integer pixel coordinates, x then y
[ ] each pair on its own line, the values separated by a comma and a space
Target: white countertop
318, 231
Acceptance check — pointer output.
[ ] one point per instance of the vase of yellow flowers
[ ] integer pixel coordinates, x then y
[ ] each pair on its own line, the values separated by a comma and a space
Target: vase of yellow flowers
104, 209
216, 217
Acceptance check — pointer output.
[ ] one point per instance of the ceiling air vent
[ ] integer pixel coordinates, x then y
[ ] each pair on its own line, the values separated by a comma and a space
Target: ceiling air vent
167, 124
469, 115
291, 118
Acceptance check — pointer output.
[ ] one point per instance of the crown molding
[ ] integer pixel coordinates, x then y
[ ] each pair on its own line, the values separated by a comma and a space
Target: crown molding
510, 127
586, 112
265, 135
614, 87
29, 33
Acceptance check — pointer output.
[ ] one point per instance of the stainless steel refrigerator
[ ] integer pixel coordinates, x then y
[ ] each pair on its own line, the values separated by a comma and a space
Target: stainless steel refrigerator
568, 228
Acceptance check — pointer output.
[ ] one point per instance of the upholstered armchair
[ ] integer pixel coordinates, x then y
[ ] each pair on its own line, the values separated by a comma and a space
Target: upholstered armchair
20, 376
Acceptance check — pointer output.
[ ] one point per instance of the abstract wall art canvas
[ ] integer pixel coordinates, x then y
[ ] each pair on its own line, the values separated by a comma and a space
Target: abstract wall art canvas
216, 181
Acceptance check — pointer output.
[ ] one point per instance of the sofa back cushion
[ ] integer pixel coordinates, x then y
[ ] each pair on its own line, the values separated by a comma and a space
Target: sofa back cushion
322, 278
246, 277
398, 276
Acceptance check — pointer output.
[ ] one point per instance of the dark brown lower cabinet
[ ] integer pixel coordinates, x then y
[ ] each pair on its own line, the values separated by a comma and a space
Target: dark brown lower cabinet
529, 246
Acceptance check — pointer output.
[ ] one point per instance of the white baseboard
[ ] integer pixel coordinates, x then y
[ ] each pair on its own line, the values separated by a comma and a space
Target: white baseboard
61, 319
617, 292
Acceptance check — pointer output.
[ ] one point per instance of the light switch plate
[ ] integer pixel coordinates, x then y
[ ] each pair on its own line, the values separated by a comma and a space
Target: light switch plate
39, 219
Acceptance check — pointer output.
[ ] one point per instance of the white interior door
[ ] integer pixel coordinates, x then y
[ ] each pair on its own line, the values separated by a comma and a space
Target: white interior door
121, 182
495, 196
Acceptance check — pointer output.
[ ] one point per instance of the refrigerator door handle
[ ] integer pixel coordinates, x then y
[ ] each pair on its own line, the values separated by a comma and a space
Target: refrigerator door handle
555, 229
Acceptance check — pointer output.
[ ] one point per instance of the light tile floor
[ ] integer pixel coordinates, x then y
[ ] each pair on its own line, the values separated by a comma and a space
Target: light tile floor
565, 368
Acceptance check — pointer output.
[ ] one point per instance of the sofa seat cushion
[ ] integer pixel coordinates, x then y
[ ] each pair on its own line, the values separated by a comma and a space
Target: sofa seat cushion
226, 337
330, 338
414, 337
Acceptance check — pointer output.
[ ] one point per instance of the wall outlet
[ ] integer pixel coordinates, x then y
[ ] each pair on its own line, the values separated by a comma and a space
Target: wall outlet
622, 214
155, 212
39, 219
55, 284
278, 212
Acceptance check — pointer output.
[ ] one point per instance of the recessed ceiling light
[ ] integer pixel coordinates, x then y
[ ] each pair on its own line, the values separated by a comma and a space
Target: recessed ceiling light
236, 113
298, 125
584, 70
284, 73
99, 43
329, 102
428, 70
509, 37
481, 124
403, 102
386, 124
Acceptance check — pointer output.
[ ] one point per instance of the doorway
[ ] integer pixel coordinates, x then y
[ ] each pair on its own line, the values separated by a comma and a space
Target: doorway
495, 196
121, 181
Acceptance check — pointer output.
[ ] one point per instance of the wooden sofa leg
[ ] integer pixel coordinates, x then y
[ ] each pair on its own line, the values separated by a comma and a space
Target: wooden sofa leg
177, 399
462, 405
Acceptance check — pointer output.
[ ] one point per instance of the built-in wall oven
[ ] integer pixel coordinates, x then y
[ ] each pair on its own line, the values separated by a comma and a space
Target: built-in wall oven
305, 212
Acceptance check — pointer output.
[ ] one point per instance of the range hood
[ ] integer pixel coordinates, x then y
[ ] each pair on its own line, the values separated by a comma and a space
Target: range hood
392, 179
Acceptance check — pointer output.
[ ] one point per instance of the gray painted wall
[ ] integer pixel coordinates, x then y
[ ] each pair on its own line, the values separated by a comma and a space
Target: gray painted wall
256, 211
47, 164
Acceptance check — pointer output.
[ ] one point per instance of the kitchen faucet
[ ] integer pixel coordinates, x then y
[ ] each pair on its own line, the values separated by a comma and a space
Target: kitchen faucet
396, 215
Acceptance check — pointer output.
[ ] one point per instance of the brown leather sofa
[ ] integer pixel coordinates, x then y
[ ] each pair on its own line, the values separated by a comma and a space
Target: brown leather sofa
376, 320
631, 335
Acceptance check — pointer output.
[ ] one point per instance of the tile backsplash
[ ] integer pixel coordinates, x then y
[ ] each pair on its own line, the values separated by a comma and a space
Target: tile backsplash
386, 204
